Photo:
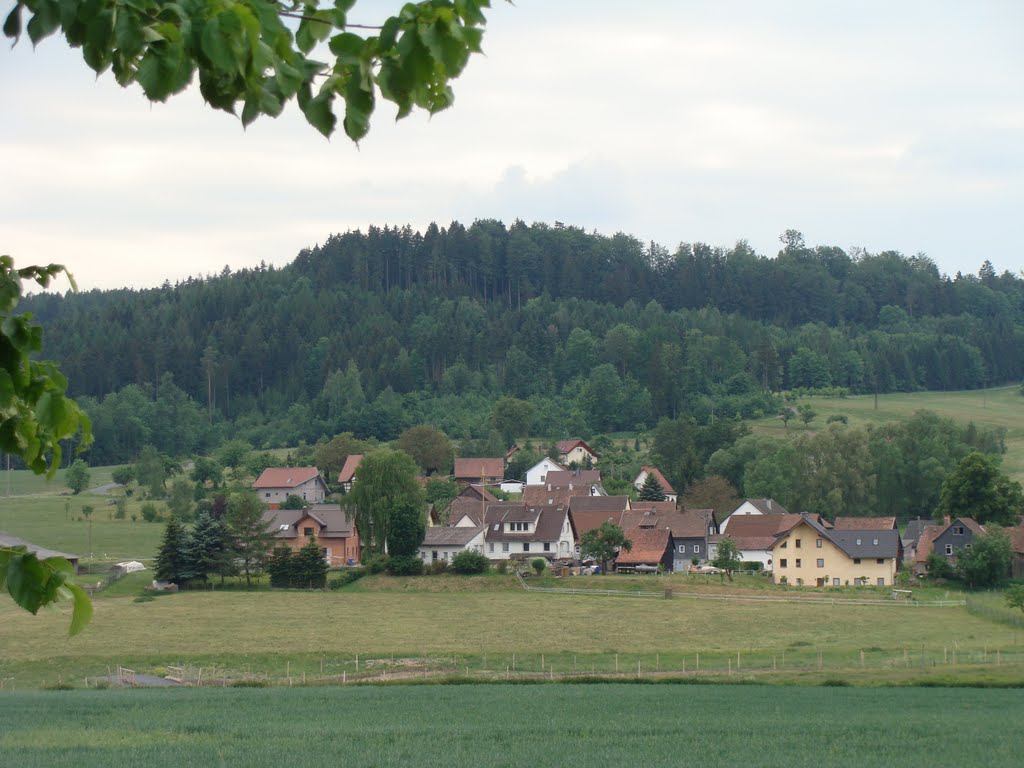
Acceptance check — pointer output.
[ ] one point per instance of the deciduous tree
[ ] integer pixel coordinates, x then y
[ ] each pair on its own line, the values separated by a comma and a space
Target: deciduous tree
604, 542
429, 447
77, 476
249, 530
727, 556
976, 488
387, 483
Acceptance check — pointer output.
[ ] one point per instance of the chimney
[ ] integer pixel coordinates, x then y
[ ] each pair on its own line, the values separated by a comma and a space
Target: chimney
769, 505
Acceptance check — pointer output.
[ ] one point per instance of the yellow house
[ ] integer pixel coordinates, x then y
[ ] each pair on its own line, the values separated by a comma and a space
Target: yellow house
809, 554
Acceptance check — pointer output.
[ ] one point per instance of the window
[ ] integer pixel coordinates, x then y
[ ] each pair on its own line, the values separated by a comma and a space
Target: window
817, 543
267, 494
880, 560
784, 544
856, 561
835, 582
967, 546
874, 542
423, 554
798, 562
858, 542
696, 548
547, 547
433, 555
504, 546
958, 530
307, 531
881, 581
526, 546
682, 549
490, 547
782, 563
820, 562
798, 543
949, 549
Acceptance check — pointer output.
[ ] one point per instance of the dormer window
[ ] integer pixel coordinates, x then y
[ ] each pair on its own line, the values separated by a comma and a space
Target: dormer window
958, 530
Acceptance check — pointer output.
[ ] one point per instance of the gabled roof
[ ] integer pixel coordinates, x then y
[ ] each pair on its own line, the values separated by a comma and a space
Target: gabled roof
1016, 536
666, 486
756, 533
574, 478
925, 544
285, 477
857, 543
658, 507
547, 459
332, 519
476, 493
865, 524
547, 521
539, 494
565, 446
588, 520
765, 507
914, 529
451, 537
473, 468
609, 504
649, 547
352, 462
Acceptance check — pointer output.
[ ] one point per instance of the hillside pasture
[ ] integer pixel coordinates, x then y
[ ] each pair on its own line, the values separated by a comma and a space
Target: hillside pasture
997, 407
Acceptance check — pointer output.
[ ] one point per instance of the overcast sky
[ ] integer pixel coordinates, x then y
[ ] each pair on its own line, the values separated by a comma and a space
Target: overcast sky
881, 125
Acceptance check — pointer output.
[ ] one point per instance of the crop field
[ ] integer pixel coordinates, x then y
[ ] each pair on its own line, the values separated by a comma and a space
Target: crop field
483, 630
514, 725
1002, 406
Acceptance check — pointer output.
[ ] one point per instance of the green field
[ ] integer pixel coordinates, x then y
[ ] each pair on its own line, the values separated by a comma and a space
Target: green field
514, 725
1002, 407
483, 629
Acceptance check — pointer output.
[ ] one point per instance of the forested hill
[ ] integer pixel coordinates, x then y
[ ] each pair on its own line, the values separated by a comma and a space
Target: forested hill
372, 332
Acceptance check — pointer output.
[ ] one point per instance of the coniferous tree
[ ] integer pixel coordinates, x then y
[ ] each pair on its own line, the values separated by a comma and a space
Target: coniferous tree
651, 490
170, 559
311, 566
209, 550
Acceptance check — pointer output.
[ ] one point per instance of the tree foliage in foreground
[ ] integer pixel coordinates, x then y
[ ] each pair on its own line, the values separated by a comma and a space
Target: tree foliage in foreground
246, 56
604, 542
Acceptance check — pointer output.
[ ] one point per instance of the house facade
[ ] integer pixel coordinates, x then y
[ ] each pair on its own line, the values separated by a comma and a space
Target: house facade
809, 554
347, 476
576, 452
473, 470
753, 507
445, 543
538, 473
517, 531
328, 524
275, 484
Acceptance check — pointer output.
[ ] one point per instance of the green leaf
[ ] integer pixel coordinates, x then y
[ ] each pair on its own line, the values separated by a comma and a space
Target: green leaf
347, 47
82, 613
358, 108
25, 579
12, 24
318, 111
44, 22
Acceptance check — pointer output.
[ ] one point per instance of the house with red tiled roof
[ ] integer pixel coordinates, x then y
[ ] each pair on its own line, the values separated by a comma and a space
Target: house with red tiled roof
809, 554
666, 486
651, 548
275, 484
476, 470
347, 476
947, 540
538, 473
753, 507
576, 452
754, 536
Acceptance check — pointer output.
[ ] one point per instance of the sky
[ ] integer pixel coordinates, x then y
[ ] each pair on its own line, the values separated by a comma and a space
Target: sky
874, 125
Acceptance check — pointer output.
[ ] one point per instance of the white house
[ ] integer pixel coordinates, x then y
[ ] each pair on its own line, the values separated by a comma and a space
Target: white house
576, 452
537, 474
517, 531
754, 507
666, 486
442, 543
276, 484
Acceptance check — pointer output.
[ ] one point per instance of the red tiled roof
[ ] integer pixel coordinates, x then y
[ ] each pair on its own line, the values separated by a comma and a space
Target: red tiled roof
649, 547
666, 486
562, 497
352, 462
1016, 535
285, 477
924, 544
865, 524
588, 520
473, 468
565, 446
572, 477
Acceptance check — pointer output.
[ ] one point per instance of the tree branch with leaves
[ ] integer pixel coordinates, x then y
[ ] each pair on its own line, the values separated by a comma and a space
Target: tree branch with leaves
247, 57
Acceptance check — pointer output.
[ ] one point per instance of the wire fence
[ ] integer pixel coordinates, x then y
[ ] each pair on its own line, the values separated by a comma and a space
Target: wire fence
995, 613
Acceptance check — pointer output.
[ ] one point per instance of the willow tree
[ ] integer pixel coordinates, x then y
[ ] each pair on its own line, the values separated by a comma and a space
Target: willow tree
385, 489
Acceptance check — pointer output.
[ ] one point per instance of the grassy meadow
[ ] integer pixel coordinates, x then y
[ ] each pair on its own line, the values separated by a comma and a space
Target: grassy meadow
1002, 406
486, 629
495, 725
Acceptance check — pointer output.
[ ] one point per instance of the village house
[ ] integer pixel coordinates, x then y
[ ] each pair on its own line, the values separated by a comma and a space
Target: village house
477, 470
469, 506
275, 484
809, 554
518, 531
754, 535
347, 476
666, 486
444, 543
576, 453
946, 539
753, 507
651, 550
537, 474
865, 524
329, 525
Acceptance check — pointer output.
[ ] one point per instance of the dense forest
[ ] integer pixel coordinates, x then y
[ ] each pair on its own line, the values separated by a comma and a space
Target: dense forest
374, 332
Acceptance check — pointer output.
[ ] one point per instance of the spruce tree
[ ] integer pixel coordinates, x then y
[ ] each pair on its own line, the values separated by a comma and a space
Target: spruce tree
311, 566
170, 559
651, 490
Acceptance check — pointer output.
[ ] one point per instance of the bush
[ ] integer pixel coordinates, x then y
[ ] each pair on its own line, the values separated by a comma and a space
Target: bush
837, 418
376, 563
539, 564
348, 576
122, 507
438, 566
469, 562
751, 565
150, 513
501, 566
405, 565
